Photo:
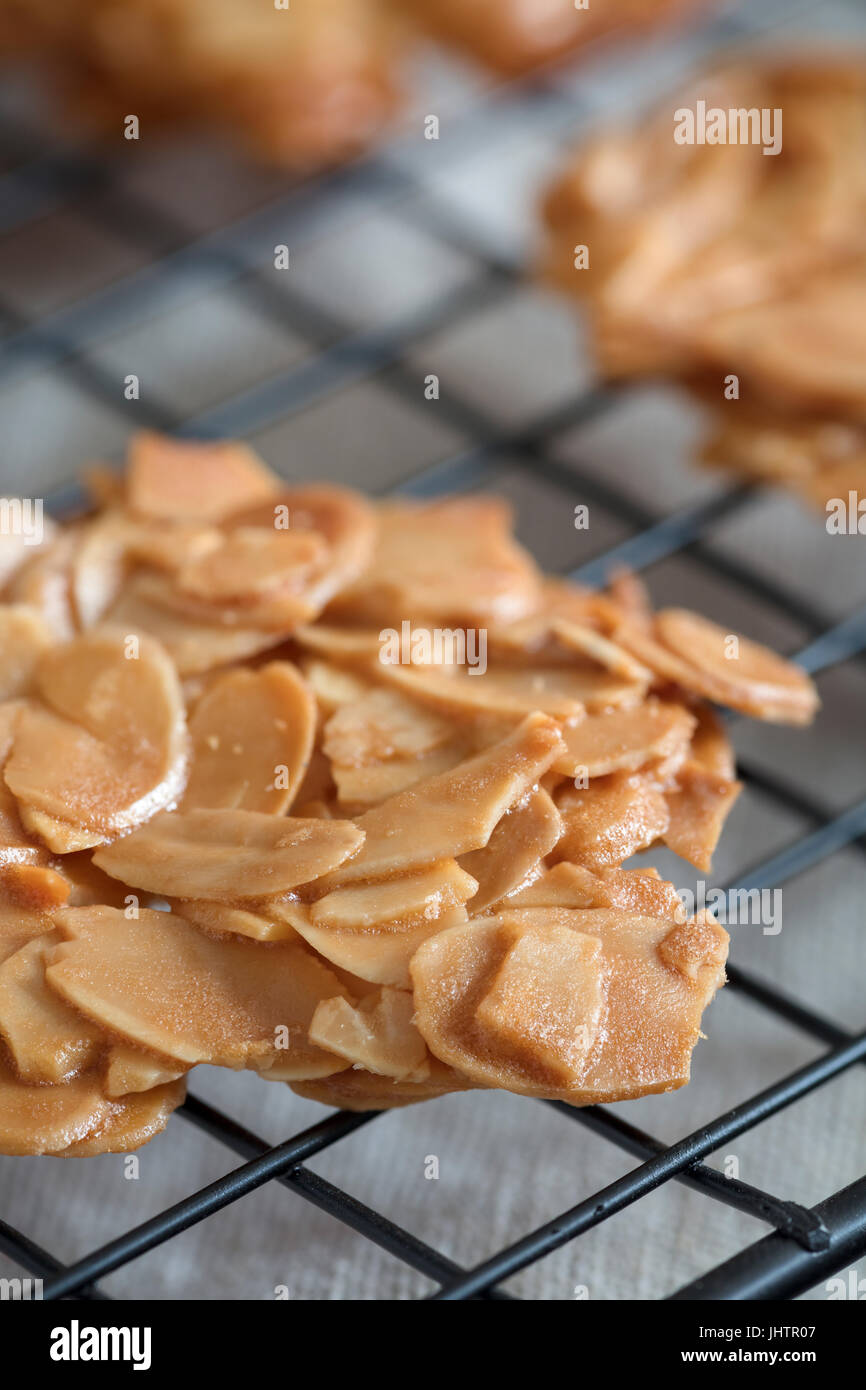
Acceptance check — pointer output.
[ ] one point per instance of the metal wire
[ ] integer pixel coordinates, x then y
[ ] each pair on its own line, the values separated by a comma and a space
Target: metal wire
805, 1245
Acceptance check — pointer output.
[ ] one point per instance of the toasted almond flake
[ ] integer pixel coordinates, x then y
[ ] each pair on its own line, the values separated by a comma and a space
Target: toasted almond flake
403, 901
228, 855
380, 957
710, 747
252, 561
47, 1040
130, 1070
697, 810
377, 1034
360, 788
135, 1119
623, 740
277, 611
48, 1119
24, 637
111, 749
652, 1011
168, 988
332, 686
380, 725
268, 719
99, 567
43, 583
185, 481
525, 834
194, 646
455, 812
34, 886
59, 835
641, 891
755, 677
544, 1004
611, 819
584, 639
261, 924
19, 923
454, 559
502, 691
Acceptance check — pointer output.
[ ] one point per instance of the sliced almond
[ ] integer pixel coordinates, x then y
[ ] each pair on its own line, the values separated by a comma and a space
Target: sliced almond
47, 1040
377, 1034
252, 736
524, 835
134, 1120
411, 898
194, 645
109, 748
623, 740
698, 809
456, 811
380, 957
185, 481
756, 679
224, 1000
361, 1090
228, 856
48, 1119
130, 1070
611, 819
652, 1009
453, 559
24, 637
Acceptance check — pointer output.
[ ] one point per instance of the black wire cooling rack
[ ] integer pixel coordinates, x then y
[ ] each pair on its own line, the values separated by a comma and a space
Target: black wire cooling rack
804, 1244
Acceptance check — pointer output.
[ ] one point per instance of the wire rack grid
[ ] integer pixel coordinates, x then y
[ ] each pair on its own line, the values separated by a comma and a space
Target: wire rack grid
315, 358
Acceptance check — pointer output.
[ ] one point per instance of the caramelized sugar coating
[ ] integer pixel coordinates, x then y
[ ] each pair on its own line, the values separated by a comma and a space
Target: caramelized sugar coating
384, 882
711, 259
588, 1006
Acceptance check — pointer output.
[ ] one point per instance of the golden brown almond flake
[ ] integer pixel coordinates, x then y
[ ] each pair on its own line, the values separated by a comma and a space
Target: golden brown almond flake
129, 1070
164, 986
381, 957
698, 809
513, 854
47, 1040
641, 891
24, 637
252, 738
108, 748
623, 740
49, 1119
228, 855
453, 559
195, 646
420, 896
257, 920
455, 812
134, 1120
177, 480
651, 1010
611, 819
377, 1034
753, 675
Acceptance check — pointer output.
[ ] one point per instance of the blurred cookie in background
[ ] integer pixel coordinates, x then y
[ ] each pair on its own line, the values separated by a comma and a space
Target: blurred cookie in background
301, 86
